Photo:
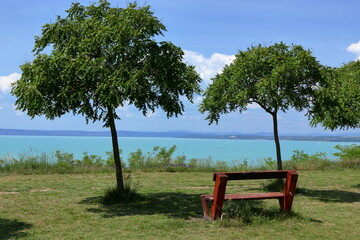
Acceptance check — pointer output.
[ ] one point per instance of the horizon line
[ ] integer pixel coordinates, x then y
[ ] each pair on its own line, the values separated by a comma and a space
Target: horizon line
262, 133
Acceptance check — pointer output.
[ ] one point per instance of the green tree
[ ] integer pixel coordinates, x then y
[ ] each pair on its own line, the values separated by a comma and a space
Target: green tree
101, 58
337, 102
276, 78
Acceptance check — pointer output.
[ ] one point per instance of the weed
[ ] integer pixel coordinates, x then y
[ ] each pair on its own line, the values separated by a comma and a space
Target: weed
128, 194
243, 213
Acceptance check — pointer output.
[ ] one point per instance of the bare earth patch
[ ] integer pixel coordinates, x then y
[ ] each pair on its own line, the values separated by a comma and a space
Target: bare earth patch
95, 188
42, 190
206, 187
8, 193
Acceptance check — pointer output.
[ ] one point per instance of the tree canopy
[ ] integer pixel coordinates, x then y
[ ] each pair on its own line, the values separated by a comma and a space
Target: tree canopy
276, 77
98, 58
337, 104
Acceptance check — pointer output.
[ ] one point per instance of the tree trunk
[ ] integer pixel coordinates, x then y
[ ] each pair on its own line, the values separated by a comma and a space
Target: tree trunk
277, 141
117, 161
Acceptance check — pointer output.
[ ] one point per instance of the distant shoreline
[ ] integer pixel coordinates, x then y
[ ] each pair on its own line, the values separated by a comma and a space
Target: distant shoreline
181, 134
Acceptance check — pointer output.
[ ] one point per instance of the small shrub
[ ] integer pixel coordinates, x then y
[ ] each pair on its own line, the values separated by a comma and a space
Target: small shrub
350, 152
162, 155
110, 158
63, 158
299, 156
136, 159
160, 159
267, 163
90, 160
64, 161
115, 195
304, 161
270, 163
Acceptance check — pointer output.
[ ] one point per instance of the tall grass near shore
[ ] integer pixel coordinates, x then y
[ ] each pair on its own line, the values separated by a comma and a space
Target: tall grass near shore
32, 162
161, 159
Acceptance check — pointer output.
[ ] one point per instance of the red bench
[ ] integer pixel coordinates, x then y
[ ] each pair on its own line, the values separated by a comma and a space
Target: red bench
217, 199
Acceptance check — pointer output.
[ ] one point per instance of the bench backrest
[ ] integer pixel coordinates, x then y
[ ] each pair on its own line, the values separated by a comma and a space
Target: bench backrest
255, 175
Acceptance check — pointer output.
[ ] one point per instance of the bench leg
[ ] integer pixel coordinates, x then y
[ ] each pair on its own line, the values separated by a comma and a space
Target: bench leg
219, 195
281, 203
205, 208
289, 191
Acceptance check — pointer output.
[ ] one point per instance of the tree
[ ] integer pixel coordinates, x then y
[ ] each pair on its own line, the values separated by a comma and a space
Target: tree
276, 78
337, 102
102, 58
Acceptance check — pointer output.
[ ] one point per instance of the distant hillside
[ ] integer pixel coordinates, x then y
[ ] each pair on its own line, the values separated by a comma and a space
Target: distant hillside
183, 134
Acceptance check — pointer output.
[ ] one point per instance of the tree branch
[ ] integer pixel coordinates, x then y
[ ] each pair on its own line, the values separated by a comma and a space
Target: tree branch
263, 107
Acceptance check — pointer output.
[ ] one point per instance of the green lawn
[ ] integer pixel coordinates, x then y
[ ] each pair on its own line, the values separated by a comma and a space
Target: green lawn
67, 207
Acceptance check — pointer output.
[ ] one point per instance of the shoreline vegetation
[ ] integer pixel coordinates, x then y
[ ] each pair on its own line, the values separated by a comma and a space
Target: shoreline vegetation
161, 159
185, 134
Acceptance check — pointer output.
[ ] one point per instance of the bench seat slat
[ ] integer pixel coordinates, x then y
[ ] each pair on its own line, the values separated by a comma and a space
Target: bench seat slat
253, 175
247, 196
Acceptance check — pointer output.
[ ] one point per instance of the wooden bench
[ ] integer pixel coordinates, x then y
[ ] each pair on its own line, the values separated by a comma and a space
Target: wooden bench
217, 199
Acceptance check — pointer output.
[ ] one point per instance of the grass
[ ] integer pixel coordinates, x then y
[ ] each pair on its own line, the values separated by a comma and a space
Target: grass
68, 206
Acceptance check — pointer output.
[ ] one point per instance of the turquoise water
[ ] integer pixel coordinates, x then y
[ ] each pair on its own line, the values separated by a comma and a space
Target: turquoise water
218, 149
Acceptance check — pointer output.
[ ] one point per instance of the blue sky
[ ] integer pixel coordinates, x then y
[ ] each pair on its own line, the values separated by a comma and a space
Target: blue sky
210, 32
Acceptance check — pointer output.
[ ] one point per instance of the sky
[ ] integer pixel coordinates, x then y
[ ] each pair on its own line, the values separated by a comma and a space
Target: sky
210, 33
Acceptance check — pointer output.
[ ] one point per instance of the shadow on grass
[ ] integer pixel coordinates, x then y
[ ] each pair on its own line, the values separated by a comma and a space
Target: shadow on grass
175, 205
188, 206
242, 213
12, 228
331, 195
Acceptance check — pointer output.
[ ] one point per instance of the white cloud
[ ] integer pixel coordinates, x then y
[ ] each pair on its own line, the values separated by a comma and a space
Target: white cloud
354, 48
253, 106
208, 67
18, 112
198, 100
189, 117
6, 81
5, 105
124, 108
151, 114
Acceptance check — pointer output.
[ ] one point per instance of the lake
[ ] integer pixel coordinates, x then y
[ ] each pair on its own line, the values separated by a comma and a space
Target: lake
218, 149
